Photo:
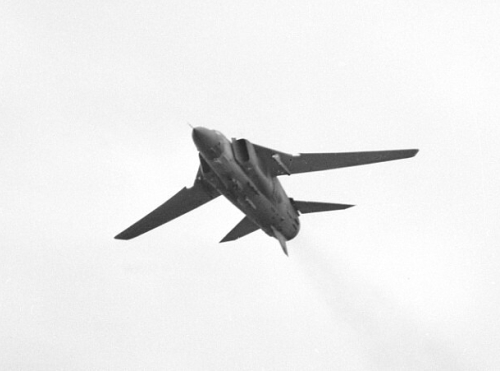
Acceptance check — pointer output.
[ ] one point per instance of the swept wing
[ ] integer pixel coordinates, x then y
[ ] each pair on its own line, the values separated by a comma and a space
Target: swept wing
280, 163
185, 200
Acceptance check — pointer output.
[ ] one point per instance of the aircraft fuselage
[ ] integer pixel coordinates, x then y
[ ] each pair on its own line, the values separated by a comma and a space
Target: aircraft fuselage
247, 175
235, 173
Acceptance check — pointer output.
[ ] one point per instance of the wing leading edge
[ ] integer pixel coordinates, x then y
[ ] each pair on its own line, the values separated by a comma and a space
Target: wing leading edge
279, 163
185, 200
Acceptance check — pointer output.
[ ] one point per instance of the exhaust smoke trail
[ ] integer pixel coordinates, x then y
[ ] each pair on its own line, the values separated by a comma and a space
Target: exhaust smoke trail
387, 337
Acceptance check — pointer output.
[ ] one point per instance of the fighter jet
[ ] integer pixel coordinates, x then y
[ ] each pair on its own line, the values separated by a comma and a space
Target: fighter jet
247, 175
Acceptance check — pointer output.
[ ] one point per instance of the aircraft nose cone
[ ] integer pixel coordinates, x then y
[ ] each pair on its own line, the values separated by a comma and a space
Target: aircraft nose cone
199, 134
206, 141
202, 137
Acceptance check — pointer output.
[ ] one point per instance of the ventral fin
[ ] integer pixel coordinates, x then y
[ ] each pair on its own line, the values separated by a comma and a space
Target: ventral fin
282, 240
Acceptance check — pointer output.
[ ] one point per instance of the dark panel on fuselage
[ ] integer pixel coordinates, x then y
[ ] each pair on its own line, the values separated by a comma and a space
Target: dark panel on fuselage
240, 150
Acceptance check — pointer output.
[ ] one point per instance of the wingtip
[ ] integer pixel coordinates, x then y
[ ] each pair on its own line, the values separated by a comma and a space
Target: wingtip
122, 236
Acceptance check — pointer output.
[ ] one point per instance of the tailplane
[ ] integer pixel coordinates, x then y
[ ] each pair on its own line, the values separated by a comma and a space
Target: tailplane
305, 207
244, 227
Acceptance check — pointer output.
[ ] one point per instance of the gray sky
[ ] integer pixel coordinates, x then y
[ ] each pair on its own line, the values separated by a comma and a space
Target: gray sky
94, 101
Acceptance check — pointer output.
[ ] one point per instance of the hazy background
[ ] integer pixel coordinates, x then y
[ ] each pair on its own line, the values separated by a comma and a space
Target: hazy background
94, 101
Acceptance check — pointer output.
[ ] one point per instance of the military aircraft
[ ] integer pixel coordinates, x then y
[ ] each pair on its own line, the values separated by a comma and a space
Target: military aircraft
247, 175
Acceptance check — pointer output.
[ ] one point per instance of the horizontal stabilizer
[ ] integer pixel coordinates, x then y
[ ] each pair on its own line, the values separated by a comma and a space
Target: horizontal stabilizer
305, 207
244, 227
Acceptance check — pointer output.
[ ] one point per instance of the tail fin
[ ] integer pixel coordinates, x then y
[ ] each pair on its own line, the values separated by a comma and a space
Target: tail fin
281, 239
305, 207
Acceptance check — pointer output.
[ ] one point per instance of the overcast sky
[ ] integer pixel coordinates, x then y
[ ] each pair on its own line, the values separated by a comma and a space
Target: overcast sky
94, 101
